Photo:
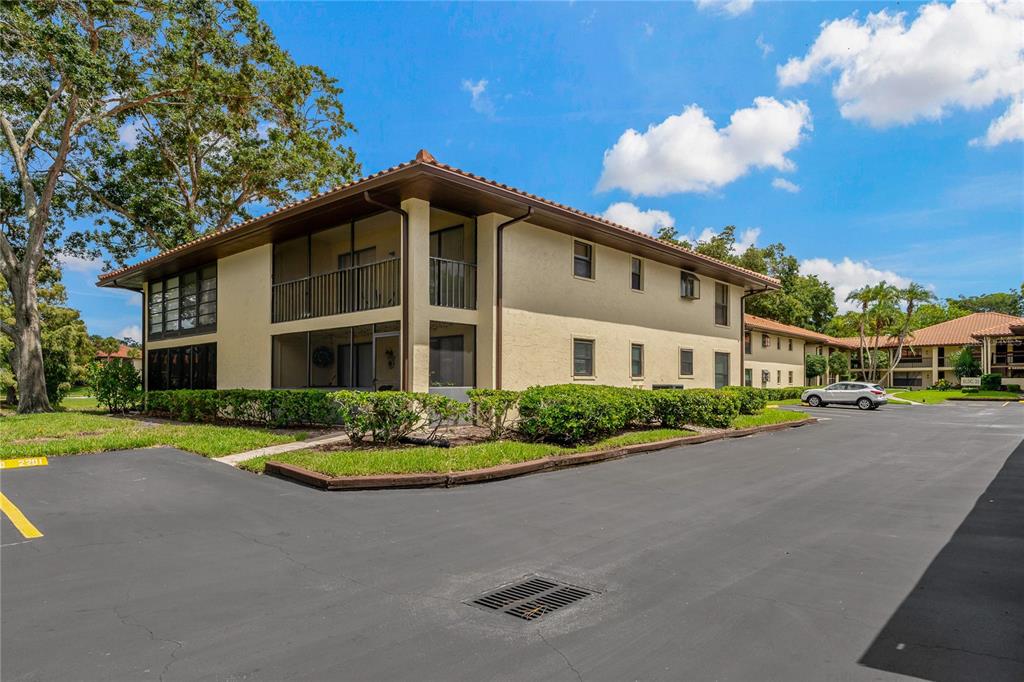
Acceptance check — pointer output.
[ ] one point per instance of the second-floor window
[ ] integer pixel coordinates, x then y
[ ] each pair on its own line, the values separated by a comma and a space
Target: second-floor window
583, 260
721, 304
765, 342
778, 343
791, 344
689, 285
636, 274
184, 304
746, 342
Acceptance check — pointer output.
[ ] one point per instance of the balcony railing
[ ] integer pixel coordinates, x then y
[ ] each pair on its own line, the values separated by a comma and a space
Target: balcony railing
916, 360
452, 283
1003, 359
365, 287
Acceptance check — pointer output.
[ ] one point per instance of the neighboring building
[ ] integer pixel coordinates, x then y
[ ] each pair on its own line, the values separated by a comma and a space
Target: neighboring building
122, 354
425, 277
774, 353
996, 339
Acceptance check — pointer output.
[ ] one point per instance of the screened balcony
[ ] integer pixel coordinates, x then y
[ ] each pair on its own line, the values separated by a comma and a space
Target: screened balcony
453, 266
344, 269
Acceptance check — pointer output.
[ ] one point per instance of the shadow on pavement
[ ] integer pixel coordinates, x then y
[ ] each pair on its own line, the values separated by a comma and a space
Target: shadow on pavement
965, 617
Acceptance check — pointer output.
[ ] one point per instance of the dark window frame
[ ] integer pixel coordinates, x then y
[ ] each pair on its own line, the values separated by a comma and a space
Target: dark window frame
721, 308
683, 364
576, 358
203, 295
636, 273
689, 285
766, 341
633, 347
586, 260
200, 358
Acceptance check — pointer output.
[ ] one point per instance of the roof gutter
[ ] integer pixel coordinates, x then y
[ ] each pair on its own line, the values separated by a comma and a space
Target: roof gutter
743, 330
406, 336
499, 291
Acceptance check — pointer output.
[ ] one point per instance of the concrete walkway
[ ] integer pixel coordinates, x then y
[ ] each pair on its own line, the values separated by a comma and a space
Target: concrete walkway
235, 459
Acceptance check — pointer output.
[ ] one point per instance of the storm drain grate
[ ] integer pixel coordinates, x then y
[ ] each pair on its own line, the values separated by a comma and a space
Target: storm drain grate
532, 598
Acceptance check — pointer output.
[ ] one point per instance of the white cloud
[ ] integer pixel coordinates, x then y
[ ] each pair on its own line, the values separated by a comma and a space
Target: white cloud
968, 55
478, 99
785, 185
132, 331
85, 266
686, 153
128, 134
733, 8
1007, 128
630, 215
744, 240
648, 29
763, 45
847, 275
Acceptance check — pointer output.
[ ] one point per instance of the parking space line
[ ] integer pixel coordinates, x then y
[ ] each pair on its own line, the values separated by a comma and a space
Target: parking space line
23, 525
24, 462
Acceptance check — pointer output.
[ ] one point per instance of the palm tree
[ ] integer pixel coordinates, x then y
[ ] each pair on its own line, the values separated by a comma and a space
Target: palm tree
863, 296
913, 295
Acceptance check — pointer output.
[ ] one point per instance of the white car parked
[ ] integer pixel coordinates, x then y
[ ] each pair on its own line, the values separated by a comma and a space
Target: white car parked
864, 395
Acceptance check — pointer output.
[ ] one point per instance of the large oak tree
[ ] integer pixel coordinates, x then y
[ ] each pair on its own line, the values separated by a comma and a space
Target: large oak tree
162, 120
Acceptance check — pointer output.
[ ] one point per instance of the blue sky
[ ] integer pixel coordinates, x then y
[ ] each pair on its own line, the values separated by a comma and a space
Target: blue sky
880, 151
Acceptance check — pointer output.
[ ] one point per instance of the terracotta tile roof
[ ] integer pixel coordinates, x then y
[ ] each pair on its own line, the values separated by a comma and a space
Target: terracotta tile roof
959, 332
1011, 327
764, 324
121, 352
423, 157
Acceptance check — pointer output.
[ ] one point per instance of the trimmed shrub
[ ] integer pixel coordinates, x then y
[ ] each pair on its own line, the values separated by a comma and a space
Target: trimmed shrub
570, 414
696, 406
942, 385
492, 409
751, 400
271, 408
991, 382
116, 385
389, 416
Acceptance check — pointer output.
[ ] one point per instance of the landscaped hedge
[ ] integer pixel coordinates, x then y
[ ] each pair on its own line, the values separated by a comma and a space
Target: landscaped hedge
991, 382
696, 406
576, 413
493, 409
751, 400
389, 416
273, 408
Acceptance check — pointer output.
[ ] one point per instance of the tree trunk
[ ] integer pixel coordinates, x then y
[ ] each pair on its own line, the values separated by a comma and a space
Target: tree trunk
27, 357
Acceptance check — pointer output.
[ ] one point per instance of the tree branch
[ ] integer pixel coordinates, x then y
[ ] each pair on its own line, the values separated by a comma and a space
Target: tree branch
41, 118
125, 106
27, 189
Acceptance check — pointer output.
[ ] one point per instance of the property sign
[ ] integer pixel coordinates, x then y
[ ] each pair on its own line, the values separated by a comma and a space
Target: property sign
970, 381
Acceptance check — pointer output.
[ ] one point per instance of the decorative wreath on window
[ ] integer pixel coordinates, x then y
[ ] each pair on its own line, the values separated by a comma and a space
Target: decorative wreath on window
322, 356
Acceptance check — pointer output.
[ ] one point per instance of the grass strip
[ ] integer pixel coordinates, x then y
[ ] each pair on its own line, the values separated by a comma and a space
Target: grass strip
58, 434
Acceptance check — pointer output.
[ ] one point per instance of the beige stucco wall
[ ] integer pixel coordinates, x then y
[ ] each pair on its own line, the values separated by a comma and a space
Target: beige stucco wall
546, 307
776, 359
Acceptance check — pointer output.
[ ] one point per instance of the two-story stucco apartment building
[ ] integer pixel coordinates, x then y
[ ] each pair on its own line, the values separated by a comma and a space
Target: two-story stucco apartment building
425, 277
775, 353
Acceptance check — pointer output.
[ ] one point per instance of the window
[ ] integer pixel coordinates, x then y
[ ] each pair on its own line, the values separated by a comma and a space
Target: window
778, 343
685, 362
721, 304
182, 367
636, 274
583, 260
636, 360
689, 285
746, 342
790, 377
721, 370
582, 358
448, 243
765, 377
942, 357
791, 344
184, 304
778, 377
748, 377
765, 340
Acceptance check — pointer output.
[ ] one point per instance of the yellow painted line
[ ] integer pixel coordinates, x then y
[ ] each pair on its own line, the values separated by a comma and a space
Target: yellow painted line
21, 463
23, 525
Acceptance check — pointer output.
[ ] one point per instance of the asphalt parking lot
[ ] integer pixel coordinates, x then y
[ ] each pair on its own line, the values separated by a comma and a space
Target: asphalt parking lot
870, 546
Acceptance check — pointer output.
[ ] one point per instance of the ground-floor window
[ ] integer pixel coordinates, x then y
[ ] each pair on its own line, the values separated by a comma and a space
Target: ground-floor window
583, 357
765, 377
790, 377
169, 369
748, 377
366, 357
636, 360
452, 354
721, 370
685, 362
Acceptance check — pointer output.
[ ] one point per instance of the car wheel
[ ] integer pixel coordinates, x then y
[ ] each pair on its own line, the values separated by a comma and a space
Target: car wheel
814, 401
864, 403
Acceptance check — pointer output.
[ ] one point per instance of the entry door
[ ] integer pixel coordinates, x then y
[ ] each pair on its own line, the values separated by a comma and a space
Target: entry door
387, 373
721, 370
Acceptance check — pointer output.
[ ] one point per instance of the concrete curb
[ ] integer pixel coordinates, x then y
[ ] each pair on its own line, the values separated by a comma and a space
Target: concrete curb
503, 471
239, 457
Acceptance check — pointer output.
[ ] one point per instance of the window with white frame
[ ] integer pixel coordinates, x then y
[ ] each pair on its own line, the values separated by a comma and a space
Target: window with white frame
583, 260
583, 357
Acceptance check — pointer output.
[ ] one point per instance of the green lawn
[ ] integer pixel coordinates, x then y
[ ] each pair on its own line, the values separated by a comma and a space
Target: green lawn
930, 396
72, 433
791, 401
768, 416
443, 460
